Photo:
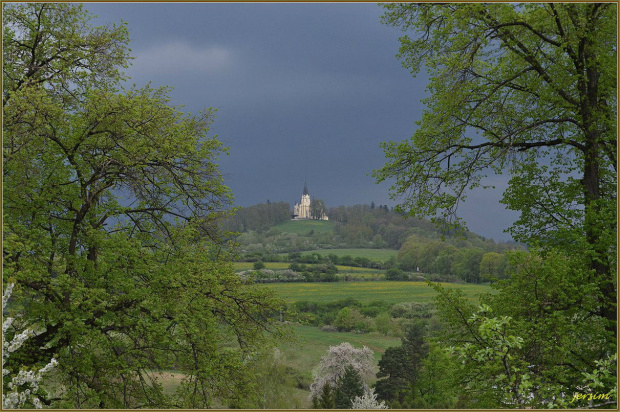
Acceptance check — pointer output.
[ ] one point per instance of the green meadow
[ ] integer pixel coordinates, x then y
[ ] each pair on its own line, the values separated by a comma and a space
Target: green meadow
316, 342
268, 265
304, 227
391, 292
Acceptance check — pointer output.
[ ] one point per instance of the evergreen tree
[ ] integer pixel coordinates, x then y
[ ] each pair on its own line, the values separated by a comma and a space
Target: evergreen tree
399, 367
325, 399
348, 387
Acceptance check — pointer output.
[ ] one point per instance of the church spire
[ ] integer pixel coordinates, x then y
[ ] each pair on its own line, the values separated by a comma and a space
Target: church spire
305, 188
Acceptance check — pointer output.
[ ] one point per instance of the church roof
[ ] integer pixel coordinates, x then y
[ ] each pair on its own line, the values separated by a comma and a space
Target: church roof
305, 188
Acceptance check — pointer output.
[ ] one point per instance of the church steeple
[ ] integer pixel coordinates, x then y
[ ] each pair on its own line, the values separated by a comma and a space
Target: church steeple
302, 209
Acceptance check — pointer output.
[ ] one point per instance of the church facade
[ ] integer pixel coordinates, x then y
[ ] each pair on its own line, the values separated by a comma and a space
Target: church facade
302, 209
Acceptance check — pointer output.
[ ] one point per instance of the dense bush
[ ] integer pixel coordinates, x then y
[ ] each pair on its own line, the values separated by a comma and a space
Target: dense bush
396, 274
351, 319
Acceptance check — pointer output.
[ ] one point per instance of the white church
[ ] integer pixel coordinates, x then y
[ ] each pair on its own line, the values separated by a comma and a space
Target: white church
302, 209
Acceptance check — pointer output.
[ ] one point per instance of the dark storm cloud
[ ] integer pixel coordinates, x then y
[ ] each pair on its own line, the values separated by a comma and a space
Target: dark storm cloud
303, 91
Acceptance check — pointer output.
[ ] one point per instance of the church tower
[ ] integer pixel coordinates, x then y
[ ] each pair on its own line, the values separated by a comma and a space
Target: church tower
302, 210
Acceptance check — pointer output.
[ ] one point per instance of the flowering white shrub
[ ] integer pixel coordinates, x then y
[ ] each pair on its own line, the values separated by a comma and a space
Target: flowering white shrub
333, 365
24, 385
368, 401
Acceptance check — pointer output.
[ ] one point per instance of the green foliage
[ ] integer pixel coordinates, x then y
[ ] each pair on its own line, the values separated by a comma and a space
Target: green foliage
496, 357
383, 323
453, 257
111, 201
317, 208
395, 274
304, 227
399, 368
347, 388
493, 266
53, 45
326, 399
411, 310
437, 385
273, 381
259, 218
349, 227
528, 89
534, 342
349, 319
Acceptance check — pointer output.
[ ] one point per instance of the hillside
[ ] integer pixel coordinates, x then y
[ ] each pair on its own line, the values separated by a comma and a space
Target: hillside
305, 227
364, 236
268, 227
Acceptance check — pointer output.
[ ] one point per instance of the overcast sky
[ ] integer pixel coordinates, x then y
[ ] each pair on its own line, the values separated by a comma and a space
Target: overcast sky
304, 92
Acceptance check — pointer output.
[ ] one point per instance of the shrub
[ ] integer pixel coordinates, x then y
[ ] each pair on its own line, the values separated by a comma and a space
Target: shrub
349, 319
22, 390
383, 323
395, 274
258, 265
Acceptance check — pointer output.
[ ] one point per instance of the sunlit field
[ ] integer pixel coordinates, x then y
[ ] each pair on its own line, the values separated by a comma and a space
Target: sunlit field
391, 292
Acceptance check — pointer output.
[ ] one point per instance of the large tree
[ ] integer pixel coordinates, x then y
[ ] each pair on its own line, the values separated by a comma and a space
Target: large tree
525, 89
111, 202
317, 209
528, 90
399, 367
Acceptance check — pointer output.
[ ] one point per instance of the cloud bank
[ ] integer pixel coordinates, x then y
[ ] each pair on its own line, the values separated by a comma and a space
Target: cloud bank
179, 57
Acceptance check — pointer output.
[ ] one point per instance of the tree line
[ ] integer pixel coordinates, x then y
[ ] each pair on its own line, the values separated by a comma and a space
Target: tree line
529, 91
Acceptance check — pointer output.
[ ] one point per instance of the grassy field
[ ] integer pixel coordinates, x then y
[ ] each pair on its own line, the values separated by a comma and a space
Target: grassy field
316, 342
303, 227
391, 292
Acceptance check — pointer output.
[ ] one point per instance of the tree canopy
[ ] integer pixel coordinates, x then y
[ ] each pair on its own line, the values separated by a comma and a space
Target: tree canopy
525, 89
111, 203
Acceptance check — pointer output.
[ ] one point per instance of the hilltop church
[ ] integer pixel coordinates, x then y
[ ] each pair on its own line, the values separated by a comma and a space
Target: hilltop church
302, 210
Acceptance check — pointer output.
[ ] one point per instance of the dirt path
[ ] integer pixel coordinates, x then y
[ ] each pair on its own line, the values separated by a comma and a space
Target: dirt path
376, 349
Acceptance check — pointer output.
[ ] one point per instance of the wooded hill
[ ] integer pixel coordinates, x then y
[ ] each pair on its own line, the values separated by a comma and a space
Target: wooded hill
265, 231
359, 226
